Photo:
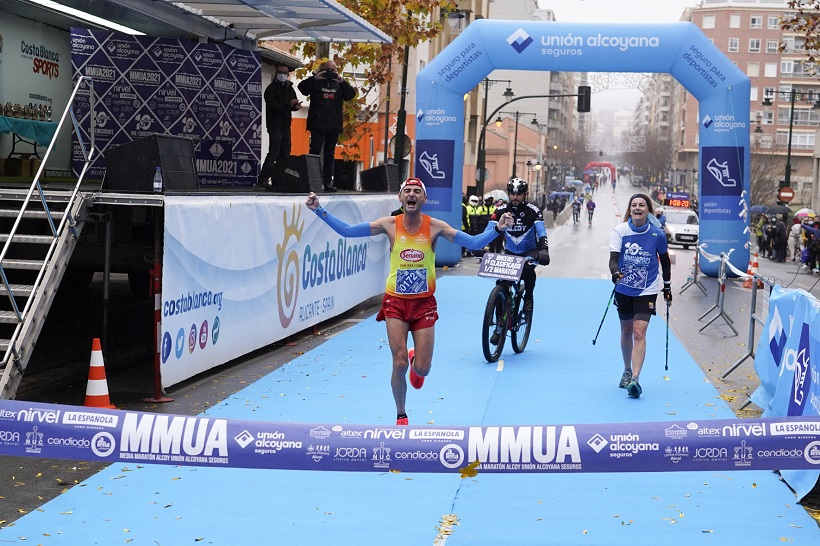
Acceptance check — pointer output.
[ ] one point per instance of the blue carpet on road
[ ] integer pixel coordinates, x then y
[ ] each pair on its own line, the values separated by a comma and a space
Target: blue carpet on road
561, 378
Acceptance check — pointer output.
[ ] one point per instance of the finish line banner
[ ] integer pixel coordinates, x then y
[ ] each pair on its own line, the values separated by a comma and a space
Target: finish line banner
90, 434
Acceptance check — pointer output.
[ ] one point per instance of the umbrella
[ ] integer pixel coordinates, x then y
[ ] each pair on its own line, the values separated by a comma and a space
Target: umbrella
758, 209
496, 194
779, 209
803, 213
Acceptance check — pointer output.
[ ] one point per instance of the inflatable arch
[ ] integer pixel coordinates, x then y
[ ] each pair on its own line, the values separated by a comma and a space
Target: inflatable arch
679, 49
613, 174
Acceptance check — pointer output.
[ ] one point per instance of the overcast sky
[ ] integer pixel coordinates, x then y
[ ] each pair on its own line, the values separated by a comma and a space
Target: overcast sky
617, 11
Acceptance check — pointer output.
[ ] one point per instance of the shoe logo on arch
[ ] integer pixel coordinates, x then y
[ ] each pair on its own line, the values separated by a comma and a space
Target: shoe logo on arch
519, 40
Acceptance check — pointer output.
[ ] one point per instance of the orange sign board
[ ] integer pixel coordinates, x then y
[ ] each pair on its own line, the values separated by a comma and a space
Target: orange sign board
785, 194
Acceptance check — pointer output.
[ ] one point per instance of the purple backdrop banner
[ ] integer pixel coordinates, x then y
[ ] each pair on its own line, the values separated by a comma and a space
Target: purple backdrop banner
146, 85
90, 434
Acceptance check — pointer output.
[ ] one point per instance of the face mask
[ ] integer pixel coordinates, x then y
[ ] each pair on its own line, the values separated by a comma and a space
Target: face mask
282, 78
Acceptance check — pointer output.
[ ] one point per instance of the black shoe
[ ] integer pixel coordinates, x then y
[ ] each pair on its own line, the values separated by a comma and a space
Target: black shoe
330, 188
264, 182
495, 337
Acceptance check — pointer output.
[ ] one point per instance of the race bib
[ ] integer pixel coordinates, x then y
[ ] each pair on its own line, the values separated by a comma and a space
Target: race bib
411, 281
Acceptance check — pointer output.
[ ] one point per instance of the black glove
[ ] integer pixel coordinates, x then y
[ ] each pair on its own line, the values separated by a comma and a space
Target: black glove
543, 256
667, 292
617, 276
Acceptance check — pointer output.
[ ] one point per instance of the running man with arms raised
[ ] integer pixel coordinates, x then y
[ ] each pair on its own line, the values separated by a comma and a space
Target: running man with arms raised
409, 305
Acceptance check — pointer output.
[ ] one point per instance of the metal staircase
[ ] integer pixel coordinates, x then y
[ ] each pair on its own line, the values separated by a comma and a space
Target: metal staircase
38, 230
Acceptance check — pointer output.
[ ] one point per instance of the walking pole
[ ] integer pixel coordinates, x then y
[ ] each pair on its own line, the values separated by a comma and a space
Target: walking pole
666, 366
612, 295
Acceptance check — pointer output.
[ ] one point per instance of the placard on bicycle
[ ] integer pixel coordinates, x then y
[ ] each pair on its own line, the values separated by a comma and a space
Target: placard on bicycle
506, 267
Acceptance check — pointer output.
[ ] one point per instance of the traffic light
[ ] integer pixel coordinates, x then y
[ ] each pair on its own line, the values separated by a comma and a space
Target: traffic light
584, 98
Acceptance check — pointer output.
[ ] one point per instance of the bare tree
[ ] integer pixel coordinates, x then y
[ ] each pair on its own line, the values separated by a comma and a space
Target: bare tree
765, 171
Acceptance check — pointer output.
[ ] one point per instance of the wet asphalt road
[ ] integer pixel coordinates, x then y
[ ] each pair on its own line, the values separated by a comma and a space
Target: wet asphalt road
578, 251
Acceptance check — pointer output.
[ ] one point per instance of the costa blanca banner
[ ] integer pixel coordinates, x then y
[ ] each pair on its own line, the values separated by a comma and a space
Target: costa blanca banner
80, 433
242, 272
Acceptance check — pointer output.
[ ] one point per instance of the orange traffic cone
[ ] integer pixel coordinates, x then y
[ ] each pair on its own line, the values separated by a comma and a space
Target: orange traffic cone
96, 394
747, 282
754, 270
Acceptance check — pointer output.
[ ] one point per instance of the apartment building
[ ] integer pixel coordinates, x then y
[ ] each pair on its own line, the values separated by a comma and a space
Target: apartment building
559, 120
749, 33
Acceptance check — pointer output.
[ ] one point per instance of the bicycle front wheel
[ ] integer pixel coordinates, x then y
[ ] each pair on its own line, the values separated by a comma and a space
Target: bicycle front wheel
520, 334
494, 330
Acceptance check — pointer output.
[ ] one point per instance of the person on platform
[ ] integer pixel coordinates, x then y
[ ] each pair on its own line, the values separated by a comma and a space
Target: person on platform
635, 249
328, 92
280, 103
409, 304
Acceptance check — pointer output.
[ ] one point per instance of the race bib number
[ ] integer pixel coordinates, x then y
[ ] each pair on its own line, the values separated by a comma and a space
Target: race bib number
635, 277
411, 281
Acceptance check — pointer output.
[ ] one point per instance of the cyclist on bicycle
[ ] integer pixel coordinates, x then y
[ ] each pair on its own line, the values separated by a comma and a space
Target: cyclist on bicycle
526, 237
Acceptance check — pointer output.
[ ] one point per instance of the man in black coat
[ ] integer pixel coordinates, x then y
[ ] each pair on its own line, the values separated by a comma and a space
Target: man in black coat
280, 103
327, 92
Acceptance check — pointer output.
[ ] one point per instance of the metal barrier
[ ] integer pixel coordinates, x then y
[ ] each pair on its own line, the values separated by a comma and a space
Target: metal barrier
694, 279
753, 319
724, 259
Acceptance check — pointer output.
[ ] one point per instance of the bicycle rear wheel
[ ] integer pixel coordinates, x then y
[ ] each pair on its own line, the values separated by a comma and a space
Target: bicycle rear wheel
494, 323
521, 328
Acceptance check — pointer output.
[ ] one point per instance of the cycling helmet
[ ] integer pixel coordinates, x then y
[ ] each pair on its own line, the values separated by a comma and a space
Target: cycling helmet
517, 185
473, 200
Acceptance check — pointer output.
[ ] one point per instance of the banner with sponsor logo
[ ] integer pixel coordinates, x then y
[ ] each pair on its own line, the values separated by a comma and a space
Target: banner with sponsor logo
35, 71
788, 371
242, 272
147, 85
90, 434
680, 49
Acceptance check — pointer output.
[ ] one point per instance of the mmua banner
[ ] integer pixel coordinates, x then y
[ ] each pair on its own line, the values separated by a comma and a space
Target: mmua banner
88, 434
789, 375
242, 272
680, 49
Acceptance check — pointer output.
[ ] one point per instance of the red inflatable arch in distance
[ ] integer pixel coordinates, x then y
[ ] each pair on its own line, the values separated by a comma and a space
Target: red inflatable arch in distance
606, 164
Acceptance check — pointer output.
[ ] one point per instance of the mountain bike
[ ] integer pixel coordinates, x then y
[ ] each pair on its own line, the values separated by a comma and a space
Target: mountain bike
504, 313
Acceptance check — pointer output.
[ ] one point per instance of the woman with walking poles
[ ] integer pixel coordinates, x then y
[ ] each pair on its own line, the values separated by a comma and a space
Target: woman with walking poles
635, 248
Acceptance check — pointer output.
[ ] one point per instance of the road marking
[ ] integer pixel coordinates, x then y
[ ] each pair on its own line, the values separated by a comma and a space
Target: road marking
500, 367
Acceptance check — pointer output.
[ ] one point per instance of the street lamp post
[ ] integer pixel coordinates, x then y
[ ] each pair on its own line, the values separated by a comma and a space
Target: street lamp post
481, 173
481, 139
692, 193
517, 115
767, 102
